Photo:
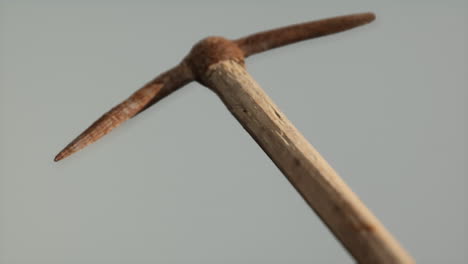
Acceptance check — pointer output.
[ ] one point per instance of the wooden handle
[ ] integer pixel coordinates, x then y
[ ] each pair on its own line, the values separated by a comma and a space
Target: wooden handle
347, 217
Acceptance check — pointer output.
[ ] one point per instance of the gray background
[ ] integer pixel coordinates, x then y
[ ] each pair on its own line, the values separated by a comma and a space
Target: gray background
386, 104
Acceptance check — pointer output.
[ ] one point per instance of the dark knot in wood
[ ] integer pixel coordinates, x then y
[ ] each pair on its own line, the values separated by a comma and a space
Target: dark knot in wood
209, 51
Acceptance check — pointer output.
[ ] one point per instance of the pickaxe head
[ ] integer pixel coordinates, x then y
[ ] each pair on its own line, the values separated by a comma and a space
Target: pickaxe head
194, 66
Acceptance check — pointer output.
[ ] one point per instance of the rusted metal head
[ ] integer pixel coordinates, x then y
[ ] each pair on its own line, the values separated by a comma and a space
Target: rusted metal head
207, 52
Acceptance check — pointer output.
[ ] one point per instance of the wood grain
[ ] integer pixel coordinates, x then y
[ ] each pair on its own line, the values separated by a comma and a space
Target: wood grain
347, 217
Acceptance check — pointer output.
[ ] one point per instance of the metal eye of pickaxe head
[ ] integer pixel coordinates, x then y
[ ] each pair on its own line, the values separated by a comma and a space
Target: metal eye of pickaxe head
218, 63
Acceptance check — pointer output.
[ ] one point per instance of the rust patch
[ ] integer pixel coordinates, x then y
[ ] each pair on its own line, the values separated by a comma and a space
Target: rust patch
209, 51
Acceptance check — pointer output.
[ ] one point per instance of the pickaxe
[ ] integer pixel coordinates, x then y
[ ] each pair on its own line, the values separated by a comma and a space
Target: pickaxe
218, 63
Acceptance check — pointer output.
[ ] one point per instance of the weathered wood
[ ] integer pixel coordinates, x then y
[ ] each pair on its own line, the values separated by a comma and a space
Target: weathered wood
347, 217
